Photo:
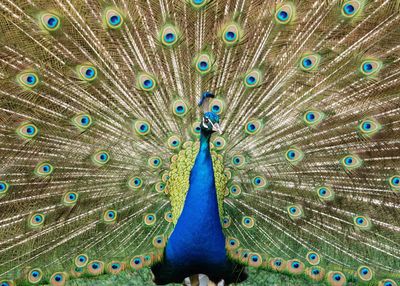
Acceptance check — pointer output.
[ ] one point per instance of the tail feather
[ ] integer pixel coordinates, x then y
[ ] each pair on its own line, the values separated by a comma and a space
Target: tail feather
90, 106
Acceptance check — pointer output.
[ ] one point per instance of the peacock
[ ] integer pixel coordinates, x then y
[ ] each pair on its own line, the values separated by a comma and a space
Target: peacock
200, 142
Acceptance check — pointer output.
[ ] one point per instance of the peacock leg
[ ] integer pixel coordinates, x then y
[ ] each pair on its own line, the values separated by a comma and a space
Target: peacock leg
194, 280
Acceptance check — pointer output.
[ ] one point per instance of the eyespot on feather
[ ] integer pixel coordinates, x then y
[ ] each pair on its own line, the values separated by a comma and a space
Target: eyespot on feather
277, 264
252, 78
325, 193
136, 262
204, 63
362, 222
368, 127
110, 216
231, 34
28, 79
179, 108
295, 211
101, 158
316, 273
365, 273
115, 267
351, 162
159, 241
95, 267
150, 219
59, 279
43, 169
82, 121
336, 278
226, 222
49, 21
27, 130
146, 82
309, 62
313, 258
4, 188
352, 8
370, 67
81, 260
284, 13
235, 190
70, 198
394, 183
135, 183
169, 35
87, 72
34, 276
294, 155
313, 117
113, 18
295, 266
248, 222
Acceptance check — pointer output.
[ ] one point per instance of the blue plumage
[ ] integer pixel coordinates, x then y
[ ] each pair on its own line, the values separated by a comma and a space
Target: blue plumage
197, 244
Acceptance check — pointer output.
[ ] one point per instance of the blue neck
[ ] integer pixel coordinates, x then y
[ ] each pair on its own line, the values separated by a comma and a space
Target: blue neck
197, 238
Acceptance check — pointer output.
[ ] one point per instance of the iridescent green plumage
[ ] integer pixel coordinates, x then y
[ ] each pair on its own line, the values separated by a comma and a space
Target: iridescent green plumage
99, 123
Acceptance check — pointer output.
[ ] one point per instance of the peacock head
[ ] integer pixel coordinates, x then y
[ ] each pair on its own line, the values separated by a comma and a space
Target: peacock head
210, 123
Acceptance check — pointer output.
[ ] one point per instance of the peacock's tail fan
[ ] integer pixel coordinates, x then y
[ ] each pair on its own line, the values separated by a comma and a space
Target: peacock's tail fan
99, 121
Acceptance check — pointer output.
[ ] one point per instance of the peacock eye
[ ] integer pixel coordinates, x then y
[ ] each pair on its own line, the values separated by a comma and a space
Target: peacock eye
150, 218
34, 276
159, 187
198, 4
113, 18
235, 190
325, 193
58, 278
351, 8
169, 35
203, 63
365, 273
110, 216
4, 187
284, 14
43, 169
362, 222
336, 278
36, 220
206, 120
369, 127
70, 198
159, 241
27, 130
387, 282
95, 267
101, 158
309, 62
146, 82
351, 162
294, 155
313, 258
231, 34
295, 211
248, 222
28, 79
82, 121
137, 262
86, 72
252, 78
49, 21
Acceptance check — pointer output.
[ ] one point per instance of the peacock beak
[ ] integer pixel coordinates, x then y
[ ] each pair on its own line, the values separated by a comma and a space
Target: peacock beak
216, 127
